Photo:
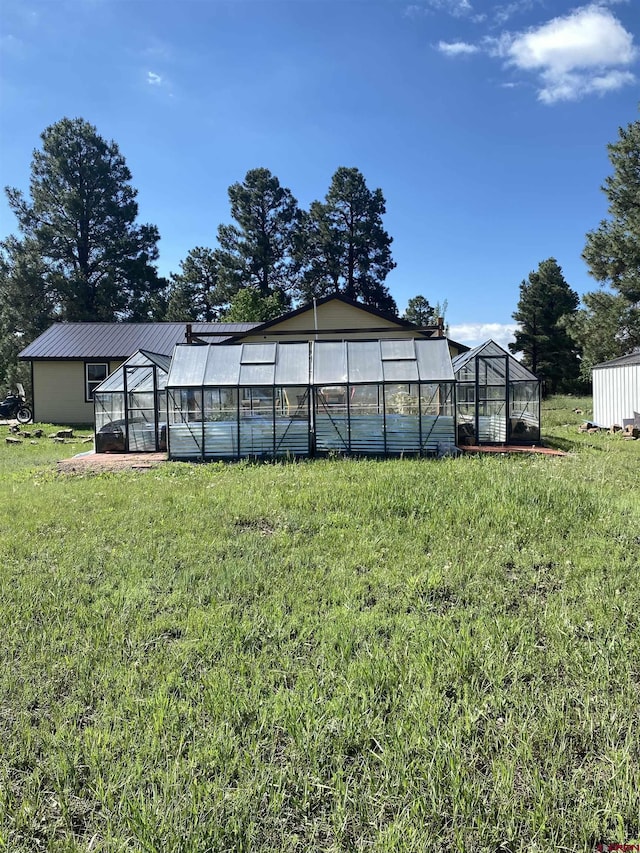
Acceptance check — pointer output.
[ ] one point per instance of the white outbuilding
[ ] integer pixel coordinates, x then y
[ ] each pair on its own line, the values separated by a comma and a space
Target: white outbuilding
616, 391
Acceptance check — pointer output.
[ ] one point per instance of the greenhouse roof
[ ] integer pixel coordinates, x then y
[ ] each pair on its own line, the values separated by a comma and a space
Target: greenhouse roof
517, 371
317, 363
139, 374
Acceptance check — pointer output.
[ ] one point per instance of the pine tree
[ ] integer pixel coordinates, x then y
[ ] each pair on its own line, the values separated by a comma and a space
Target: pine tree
257, 251
609, 324
343, 246
197, 293
97, 264
546, 301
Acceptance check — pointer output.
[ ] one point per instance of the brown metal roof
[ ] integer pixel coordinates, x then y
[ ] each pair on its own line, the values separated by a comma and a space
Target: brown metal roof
117, 340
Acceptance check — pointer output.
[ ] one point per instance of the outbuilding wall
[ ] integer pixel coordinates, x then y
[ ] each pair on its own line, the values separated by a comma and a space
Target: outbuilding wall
59, 392
616, 394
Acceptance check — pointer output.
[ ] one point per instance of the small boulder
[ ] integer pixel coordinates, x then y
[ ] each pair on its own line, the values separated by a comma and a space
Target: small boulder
11, 440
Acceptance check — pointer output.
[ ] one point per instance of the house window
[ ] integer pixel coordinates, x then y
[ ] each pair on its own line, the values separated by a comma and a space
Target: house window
94, 373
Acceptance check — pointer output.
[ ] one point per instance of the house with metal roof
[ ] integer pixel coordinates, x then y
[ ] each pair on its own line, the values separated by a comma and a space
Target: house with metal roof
70, 360
616, 391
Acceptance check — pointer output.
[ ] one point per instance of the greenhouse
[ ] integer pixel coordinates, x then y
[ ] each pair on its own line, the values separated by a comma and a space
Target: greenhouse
130, 406
498, 399
382, 397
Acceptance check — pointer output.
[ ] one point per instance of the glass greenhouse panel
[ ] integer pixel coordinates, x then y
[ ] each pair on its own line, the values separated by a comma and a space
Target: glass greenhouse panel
467, 373
331, 419
221, 423
366, 400
397, 350
292, 365
400, 371
188, 366
466, 393
113, 383
223, 365
402, 419
437, 416
466, 423
139, 378
491, 349
366, 427
524, 411
257, 374
185, 424
329, 363
519, 373
141, 422
492, 421
492, 371
363, 359
291, 425
110, 433
256, 424
258, 354
434, 360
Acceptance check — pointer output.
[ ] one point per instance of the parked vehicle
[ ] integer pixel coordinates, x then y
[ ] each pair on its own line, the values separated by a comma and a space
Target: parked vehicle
15, 406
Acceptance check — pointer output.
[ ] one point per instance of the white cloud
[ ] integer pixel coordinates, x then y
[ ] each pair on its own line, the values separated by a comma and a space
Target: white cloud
501, 14
457, 8
457, 48
473, 334
587, 52
154, 79
575, 55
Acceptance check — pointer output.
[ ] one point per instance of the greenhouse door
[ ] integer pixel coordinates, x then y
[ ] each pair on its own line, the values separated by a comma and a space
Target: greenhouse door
141, 419
491, 412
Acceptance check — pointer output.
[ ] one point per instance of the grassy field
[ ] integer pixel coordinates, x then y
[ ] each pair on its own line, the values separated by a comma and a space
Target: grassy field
339, 655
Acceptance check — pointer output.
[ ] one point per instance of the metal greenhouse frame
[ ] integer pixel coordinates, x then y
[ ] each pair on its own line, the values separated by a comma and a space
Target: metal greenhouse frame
382, 397
130, 406
498, 398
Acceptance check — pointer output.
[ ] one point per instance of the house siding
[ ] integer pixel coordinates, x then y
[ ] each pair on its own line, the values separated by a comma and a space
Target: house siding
333, 316
59, 392
616, 394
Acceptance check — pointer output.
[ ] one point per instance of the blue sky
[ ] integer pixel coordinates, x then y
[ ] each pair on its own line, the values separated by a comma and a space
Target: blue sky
484, 124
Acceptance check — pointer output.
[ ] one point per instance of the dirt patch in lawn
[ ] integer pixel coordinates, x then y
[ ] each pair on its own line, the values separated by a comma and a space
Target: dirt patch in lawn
111, 462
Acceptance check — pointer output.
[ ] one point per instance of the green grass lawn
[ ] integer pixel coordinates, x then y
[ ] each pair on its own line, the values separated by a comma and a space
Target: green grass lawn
335, 655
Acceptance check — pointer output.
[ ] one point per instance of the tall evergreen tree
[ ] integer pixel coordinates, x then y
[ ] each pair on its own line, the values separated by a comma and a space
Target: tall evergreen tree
257, 251
546, 300
421, 312
343, 246
196, 293
97, 263
609, 323
26, 309
607, 326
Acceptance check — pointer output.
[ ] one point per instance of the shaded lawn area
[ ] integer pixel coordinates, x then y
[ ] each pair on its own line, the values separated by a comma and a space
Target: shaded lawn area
331, 655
